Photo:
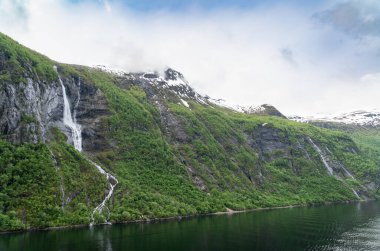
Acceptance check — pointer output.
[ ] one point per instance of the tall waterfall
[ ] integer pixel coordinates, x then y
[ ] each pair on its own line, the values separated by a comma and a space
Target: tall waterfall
75, 128
76, 133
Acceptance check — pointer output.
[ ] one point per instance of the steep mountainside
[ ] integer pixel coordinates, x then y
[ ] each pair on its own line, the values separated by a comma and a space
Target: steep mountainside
81, 145
362, 126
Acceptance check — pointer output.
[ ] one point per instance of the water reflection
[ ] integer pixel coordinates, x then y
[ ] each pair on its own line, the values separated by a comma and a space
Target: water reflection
102, 238
335, 227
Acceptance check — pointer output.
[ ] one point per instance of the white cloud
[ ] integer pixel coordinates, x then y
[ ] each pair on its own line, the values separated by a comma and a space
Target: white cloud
373, 78
233, 54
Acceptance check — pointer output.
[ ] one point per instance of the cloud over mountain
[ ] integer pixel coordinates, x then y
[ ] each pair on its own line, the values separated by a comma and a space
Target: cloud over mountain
301, 58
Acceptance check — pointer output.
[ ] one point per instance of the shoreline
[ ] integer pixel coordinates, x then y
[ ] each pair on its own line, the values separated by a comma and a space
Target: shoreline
179, 217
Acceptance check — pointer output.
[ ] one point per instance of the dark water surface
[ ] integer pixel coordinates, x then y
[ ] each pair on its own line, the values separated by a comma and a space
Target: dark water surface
336, 227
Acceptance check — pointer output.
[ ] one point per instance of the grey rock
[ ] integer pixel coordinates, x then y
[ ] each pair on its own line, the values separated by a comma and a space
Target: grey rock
28, 110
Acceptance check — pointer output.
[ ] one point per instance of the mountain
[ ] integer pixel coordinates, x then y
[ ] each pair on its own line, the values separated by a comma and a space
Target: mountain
357, 118
264, 109
88, 145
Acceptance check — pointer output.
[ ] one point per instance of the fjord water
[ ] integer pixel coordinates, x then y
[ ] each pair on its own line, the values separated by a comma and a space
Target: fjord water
336, 227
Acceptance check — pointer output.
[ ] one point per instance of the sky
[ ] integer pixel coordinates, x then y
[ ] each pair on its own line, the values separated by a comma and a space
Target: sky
304, 57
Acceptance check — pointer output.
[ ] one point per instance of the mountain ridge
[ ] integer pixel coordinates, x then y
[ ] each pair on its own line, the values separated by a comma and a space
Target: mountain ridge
360, 117
176, 78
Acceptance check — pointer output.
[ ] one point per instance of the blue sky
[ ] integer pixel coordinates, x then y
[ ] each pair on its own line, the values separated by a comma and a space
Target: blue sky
180, 5
304, 57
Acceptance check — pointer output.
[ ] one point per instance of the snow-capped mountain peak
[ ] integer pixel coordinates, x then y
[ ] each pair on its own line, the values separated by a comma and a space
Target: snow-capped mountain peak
175, 82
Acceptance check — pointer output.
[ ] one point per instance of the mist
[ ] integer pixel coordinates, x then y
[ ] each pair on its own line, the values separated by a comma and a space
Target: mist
296, 58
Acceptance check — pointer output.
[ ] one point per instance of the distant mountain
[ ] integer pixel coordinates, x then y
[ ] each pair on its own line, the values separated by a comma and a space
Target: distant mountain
358, 118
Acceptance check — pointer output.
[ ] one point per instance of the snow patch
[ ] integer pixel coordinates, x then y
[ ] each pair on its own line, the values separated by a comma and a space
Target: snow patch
225, 104
109, 69
363, 118
185, 103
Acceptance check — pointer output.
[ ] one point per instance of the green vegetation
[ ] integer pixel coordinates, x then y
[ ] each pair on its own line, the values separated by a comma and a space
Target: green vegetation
153, 170
28, 186
368, 140
33, 179
364, 155
17, 60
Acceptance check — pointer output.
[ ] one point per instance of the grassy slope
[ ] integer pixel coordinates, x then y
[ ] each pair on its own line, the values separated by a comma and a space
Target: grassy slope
369, 143
16, 60
31, 177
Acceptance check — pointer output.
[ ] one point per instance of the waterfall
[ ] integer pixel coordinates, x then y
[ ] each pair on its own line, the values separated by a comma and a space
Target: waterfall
348, 173
112, 182
76, 132
330, 170
75, 128
356, 194
323, 157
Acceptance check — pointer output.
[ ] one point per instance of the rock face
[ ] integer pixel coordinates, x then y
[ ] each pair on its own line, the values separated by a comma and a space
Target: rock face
28, 110
90, 114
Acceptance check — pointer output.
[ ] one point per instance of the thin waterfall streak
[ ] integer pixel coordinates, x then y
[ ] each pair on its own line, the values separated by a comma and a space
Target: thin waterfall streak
325, 163
330, 170
77, 103
348, 173
356, 194
61, 188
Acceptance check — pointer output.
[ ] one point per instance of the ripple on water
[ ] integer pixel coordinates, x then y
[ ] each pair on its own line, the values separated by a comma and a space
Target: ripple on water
363, 237
333, 227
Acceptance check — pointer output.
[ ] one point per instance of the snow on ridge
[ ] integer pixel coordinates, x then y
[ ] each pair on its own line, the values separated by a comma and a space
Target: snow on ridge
177, 83
223, 103
185, 103
109, 69
175, 78
363, 118
255, 109
239, 108
260, 108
